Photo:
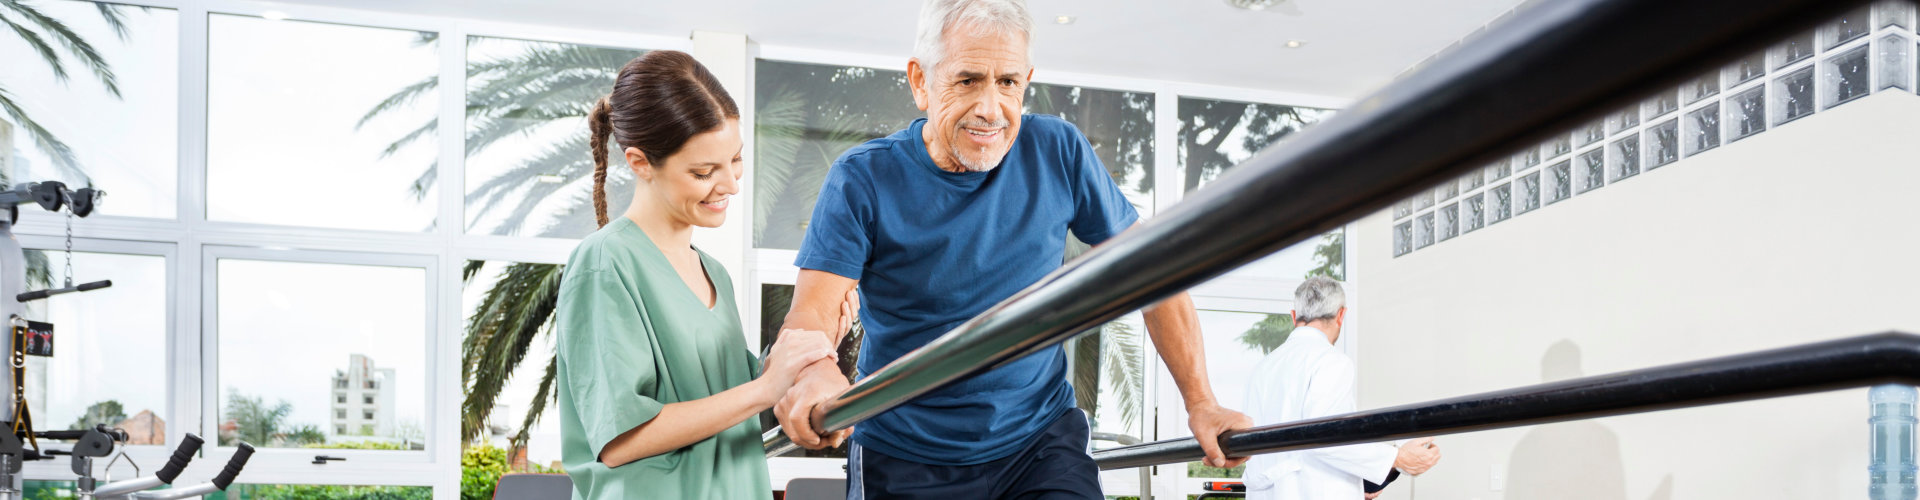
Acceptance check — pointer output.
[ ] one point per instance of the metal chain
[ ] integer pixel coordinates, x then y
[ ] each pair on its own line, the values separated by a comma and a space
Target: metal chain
69, 274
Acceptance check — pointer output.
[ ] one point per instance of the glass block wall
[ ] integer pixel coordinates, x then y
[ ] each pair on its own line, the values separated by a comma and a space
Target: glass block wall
1870, 50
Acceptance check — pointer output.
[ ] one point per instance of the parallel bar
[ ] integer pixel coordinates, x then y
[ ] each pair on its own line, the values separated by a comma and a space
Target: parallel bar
1552, 67
1883, 358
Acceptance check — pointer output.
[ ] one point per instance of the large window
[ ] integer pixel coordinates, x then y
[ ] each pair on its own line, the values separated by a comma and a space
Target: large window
56, 104
110, 361
528, 168
293, 336
806, 115
293, 140
504, 317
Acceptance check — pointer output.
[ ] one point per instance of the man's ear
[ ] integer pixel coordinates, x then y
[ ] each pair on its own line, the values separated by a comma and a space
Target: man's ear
917, 82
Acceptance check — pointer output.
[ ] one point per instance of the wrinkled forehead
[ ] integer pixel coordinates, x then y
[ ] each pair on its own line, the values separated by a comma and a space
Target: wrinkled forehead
983, 43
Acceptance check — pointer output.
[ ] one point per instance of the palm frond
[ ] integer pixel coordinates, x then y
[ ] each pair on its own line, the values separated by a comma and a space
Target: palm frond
512, 313
471, 268
1122, 362
62, 155
114, 18
424, 183
405, 96
538, 406
40, 46
74, 43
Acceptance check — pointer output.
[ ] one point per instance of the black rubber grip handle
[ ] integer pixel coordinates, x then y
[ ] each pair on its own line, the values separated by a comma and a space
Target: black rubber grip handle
61, 435
94, 285
239, 461
178, 462
32, 296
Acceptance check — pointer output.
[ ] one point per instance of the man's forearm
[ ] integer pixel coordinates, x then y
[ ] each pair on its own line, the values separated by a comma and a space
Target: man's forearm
1174, 326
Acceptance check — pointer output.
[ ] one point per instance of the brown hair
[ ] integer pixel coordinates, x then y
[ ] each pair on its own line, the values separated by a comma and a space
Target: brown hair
660, 100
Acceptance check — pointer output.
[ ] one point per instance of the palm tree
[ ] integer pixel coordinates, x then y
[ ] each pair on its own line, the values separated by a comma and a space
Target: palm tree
1206, 125
509, 97
36, 28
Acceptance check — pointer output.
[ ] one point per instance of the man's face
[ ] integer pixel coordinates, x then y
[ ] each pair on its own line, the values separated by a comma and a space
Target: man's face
972, 98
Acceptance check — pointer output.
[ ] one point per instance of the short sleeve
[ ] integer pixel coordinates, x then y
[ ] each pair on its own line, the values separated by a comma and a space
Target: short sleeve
838, 237
607, 348
1099, 209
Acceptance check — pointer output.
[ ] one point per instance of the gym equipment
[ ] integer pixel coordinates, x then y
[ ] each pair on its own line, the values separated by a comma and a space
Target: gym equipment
20, 443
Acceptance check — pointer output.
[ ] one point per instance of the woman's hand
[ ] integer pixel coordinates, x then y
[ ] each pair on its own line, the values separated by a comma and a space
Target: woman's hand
795, 350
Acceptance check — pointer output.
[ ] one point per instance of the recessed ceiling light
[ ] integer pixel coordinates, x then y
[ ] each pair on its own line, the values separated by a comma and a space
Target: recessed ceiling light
1294, 44
1063, 20
274, 15
1254, 4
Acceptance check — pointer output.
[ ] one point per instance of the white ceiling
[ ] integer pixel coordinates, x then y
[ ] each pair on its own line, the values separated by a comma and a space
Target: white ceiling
1352, 46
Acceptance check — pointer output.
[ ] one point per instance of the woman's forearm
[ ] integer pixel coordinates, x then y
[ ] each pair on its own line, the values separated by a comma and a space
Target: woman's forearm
687, 422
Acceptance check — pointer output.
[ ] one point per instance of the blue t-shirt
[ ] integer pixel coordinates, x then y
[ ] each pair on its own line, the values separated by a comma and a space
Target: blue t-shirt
932, 249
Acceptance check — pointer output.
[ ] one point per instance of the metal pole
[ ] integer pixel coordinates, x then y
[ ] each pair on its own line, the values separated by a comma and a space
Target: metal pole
1552, 67
1853, 362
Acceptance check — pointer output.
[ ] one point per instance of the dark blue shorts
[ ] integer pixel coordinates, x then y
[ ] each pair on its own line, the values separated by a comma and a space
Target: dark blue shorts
1055, 465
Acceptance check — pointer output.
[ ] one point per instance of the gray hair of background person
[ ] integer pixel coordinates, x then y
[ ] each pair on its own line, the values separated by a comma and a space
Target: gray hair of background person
1317, 299
984, 16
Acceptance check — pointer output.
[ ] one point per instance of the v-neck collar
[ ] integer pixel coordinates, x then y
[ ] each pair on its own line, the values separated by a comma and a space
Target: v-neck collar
706, 268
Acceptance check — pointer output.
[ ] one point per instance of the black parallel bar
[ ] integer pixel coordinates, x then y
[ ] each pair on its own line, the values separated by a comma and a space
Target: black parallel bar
1551, 67
1883, 358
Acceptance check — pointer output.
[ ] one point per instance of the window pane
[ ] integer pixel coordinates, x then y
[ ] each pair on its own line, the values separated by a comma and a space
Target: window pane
1846, 76
110, 357
1472, 213
1501, 197
1561, 179
1118, 123
1449, 221
1793, 95
806, 116
529, 171
1663, 143
1708, 85
1591, 170
1896, 58
1423, 230
1235, 343
1746, 113
1703, 129
491, 298
1849, 27
1742, 71
1402, 238
1109, 381
132, 156
301, 131
1625, 157
1216, 135
279, 387
1795, 49
1526, 194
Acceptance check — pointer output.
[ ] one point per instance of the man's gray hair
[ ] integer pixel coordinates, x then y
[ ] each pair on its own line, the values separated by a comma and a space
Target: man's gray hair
983, 16
1317, 299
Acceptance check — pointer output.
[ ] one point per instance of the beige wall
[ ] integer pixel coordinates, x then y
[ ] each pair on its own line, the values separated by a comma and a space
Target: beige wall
1802, 233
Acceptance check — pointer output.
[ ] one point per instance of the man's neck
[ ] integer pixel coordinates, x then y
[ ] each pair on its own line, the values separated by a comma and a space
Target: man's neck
1326, 328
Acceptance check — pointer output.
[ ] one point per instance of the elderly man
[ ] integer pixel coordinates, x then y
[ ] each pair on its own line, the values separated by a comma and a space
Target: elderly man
937, 223
1307, 377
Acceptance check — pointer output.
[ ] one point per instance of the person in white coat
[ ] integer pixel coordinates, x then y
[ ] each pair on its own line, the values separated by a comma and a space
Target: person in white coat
1305, 378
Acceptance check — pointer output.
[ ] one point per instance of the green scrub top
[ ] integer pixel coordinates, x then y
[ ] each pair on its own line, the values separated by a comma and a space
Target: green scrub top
633, 338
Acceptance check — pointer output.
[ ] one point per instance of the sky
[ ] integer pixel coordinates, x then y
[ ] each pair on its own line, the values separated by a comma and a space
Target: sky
128, 145
285, 328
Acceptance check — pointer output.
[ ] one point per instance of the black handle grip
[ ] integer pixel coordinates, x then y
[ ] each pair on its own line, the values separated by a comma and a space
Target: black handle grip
33, 295
94, 285
239, 461
61, 435
181, 455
